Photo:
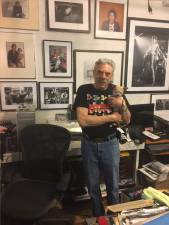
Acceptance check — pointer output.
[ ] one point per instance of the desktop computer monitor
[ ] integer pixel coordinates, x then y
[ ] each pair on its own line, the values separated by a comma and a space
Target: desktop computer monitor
142, 115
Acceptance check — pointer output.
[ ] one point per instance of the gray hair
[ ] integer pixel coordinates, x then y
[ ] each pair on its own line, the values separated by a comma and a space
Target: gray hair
104, 61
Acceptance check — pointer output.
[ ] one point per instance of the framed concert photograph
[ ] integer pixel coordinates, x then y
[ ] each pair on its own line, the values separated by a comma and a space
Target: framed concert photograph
14, 94
84, 61
17, 56
21, 14
110, 19
73, 16
57, 59
148, 59
161, 105
55, 95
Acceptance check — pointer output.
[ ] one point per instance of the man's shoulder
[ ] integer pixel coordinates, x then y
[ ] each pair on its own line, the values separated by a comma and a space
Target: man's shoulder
85, 86
105, 24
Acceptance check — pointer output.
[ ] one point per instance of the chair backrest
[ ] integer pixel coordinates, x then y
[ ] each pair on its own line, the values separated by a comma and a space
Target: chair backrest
44, 147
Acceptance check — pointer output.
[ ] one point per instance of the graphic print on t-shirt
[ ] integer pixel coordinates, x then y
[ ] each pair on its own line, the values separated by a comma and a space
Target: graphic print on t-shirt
98, 105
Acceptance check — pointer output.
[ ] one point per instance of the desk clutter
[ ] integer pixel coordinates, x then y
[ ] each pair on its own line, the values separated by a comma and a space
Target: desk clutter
144, 211
8, 140
155, 174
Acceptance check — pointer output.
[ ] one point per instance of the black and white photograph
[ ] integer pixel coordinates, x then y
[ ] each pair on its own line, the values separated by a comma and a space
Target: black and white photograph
15, 8
14, 94
15, 54
148, 61
70, 16
68, 12
19, 14
57, 58
55, 95
161, 105
84, 61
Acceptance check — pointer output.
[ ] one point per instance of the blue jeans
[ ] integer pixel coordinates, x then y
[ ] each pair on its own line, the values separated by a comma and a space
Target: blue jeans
104, 157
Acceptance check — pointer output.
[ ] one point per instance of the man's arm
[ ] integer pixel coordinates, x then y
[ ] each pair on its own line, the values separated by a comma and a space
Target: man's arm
85, 120
125, 113
119, 104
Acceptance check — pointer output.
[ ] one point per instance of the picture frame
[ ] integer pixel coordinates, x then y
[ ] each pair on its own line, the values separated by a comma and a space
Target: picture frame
17, 56
69, 16
147, 40
84, 61
141, 9
14, 94
23, 16
110, 19
161, 105
55, 95
57, 59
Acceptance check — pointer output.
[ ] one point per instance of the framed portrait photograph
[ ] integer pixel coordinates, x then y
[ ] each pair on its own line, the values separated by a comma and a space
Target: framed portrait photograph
18, 93
55, 95
20, 14
161, 105
17, 56
110, 19
84, 61
148, 58
73, 16
57, 58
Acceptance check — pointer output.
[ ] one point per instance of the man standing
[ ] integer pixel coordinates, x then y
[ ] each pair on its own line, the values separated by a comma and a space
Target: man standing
100, 147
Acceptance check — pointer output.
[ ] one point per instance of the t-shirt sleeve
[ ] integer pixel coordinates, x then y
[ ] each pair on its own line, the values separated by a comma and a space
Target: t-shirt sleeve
81, 98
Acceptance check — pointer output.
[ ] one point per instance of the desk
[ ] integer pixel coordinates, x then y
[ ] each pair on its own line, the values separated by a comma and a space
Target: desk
76, 131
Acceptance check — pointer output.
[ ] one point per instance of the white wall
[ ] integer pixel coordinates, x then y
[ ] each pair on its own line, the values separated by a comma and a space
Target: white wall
79, 41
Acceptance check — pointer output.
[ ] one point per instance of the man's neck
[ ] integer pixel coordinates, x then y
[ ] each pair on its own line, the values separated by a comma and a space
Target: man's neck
104, 87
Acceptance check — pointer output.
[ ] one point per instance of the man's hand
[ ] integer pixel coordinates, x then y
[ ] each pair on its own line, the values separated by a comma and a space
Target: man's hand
116, 117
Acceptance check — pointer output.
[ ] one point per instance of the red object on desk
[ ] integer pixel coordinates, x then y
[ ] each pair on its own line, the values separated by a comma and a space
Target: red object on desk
160, 141
102, 220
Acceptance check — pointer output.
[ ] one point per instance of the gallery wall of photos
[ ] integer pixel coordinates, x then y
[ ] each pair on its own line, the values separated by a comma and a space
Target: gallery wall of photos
66, 67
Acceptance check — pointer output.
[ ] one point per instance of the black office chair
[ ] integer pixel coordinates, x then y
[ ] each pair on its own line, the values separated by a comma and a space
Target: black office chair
43, 180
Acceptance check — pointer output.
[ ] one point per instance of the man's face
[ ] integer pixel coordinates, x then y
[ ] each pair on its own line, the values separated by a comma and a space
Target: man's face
13, 47
103, 76
111, 18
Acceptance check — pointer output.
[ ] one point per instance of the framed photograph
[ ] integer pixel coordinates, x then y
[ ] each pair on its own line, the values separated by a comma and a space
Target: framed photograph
110, 19
22, 14
14, 94
84, 61
154, 10
148, 58
69, 15
17, 56
161, 105
57, 58
55, 95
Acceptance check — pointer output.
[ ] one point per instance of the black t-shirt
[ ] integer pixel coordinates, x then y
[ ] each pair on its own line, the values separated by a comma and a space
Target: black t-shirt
96, 101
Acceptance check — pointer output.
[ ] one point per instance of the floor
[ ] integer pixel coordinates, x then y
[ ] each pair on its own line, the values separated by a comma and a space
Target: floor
73, 213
